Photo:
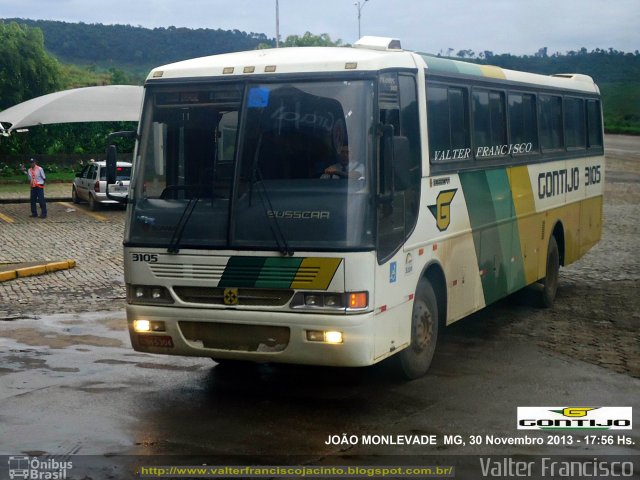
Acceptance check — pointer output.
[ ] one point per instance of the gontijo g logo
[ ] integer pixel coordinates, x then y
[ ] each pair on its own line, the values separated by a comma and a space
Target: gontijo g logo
574, 418
441, 211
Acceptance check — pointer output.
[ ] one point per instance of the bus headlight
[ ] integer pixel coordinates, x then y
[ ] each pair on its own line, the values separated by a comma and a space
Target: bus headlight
311, 300
145, 326
142, 325
148, 295
323, 336
337, 302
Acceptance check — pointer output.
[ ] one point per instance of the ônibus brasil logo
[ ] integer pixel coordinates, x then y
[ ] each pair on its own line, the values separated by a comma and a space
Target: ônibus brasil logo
22, 466
574, 418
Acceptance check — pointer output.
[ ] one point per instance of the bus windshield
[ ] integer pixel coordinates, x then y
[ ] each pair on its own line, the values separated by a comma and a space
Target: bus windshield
256, 166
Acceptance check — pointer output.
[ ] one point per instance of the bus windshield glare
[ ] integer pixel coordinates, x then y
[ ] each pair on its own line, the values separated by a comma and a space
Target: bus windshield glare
256, 166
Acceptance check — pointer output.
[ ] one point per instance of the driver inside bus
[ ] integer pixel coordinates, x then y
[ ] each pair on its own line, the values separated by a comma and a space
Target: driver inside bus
346, 167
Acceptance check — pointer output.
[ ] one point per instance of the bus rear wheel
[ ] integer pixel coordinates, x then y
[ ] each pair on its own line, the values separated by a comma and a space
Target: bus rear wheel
550, 281
414, 360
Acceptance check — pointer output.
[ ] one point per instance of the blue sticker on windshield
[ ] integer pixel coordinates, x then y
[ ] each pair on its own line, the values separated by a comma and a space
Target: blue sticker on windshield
258, 97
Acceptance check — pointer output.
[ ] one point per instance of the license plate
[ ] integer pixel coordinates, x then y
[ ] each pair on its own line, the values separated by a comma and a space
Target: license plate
164, 341
118, 188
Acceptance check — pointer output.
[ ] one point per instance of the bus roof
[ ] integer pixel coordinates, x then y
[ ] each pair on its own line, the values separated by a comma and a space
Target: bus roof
363, 57
287, 60
572, 81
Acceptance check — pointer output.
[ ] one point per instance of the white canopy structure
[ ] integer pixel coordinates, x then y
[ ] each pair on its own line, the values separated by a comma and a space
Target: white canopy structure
109, 103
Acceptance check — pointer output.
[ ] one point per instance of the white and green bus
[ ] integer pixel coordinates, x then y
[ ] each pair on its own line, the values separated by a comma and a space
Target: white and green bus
339, 206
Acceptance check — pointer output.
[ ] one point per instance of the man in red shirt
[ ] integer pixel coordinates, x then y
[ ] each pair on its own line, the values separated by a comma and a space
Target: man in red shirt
37, 179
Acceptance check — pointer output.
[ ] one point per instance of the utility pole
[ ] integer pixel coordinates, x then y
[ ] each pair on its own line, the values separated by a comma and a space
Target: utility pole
360, 5
277, 25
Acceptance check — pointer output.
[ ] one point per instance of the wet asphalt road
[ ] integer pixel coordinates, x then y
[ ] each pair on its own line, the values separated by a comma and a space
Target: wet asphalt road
70, 386
94, 396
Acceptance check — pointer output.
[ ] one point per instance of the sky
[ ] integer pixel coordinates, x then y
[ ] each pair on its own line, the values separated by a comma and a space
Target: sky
432, 26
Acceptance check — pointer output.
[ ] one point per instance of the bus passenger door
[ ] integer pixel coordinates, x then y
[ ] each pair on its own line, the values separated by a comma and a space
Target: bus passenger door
398, 193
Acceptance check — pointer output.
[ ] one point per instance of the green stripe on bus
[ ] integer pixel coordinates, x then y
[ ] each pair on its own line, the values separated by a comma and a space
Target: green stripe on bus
438, 65
278, 272
260, 272
495, 232
507, 226
242, 272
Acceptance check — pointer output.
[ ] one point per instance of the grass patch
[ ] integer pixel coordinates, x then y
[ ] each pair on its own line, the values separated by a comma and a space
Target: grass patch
22, 190
13, 188
54, 177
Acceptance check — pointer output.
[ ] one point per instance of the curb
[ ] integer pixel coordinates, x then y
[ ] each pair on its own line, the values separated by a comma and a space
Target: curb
28, 200
33, 270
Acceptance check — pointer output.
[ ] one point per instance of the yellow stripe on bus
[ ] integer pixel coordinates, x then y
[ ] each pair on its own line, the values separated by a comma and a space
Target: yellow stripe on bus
316, 273
529, 223
492, 72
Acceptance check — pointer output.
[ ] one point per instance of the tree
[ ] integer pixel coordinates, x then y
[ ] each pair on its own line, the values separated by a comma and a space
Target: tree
542, 52
26, 69
311, 40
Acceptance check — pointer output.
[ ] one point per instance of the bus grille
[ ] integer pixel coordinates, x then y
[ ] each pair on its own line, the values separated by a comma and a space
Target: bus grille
234, 296
237, 337
200, 272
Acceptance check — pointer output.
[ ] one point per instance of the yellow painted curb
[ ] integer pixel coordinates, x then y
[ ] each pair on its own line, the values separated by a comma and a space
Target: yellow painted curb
10, 275
57, 266
37, 270
6, 218
31, 271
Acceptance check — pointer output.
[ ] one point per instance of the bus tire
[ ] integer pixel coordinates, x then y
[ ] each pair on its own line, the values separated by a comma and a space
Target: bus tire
414, 361
550, 280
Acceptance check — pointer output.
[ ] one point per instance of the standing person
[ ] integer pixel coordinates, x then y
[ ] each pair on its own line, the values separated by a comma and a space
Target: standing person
37, 178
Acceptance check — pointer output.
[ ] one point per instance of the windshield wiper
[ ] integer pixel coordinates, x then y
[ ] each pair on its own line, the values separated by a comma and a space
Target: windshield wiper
274, 226
174, 244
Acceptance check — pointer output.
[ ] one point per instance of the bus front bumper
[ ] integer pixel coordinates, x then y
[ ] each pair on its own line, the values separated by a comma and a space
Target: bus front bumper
280, 337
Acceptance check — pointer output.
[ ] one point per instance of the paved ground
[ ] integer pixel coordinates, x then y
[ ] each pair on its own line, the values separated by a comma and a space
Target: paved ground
93, 239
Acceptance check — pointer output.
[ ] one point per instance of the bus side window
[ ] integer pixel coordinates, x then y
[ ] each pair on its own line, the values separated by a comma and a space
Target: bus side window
550, 118
489, 122
448, 120
574, 123
522, 120
594, 126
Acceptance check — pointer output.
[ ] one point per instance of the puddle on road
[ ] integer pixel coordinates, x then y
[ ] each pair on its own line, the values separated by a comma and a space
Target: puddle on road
34, 337
116, 324
155, 366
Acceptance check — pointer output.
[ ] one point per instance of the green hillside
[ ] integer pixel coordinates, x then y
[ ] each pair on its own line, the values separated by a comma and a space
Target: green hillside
137, 49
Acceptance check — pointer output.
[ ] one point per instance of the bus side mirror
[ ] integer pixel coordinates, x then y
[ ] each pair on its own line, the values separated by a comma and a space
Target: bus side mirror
112, 152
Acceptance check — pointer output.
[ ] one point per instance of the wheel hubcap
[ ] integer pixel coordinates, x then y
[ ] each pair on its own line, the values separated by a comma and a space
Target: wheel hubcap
422, 326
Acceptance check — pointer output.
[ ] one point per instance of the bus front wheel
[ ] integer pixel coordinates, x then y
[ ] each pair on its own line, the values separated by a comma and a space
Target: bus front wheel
414, 360
550, 280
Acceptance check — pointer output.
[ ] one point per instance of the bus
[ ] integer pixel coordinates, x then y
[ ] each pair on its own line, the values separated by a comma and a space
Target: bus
340, 206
